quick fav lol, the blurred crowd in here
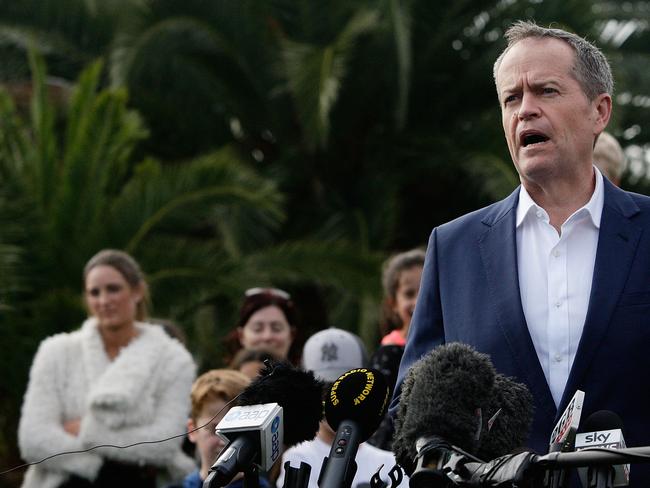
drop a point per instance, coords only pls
(124, 377)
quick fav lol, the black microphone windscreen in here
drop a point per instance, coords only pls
(299, 394)
(602, 420)
(512, 403)
(360, 395)
(441, 396)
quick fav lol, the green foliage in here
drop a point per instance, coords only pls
(315, 74)
(204, 229)
(287, 142)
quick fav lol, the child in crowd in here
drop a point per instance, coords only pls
(401, 282)
(330, 353)
(210, 393)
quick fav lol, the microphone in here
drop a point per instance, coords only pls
(355, 406)
(441, 405)
(299, 394)
(564, 433)
(604, 430)
(563, 437)
(255, 429)
(453, 401)
(510, 415)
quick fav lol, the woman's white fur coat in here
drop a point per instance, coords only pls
(142, 395)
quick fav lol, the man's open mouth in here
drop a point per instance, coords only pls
(531, 138)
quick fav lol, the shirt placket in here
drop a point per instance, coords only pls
(558, 318)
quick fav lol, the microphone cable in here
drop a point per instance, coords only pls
(270, 369)
(122, 447)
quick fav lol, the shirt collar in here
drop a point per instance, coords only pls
(594, 207)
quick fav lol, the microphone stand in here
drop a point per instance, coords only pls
(526, 468)
(600, 477)
(601, 472)
(296, 477)
(251, 477)
(555, 478)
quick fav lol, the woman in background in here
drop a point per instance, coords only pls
(267, 322)
(116, 380)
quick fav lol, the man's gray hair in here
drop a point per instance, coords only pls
(591, 68)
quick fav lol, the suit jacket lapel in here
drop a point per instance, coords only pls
(498, 246)
(617, 242)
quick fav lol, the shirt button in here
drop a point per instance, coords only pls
(557, 358)
(558, 304)
(539, 214)
(556, 253)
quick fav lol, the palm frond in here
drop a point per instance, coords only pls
(401, 22)
(180, 198)
(315, 74)
(42, 115)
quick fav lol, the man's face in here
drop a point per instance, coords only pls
(549, 122)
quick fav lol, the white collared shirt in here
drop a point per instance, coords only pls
(555, 275)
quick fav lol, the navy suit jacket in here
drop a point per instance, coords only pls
(470, 293)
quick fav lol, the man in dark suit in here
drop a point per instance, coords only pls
(554, 281)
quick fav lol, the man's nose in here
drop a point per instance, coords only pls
(529, 107)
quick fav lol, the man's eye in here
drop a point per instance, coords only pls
(547, 90)
(509, 98)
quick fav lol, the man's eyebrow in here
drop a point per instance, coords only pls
(545, 81)
(515, 87)
(510, 86)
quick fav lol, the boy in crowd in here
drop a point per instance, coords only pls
(210, 393)
(330, 353)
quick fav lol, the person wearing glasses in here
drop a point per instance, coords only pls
(267, 322)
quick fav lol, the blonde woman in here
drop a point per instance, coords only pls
(116, 380)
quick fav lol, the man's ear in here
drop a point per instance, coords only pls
(603, 108)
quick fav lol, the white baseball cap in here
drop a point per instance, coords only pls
(331, 352)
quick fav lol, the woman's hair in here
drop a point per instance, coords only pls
(392, 270)
(129, 269)
(244, 356)
(254, 300)
(258, 298)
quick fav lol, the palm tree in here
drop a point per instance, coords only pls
(74, 191)
(204, 229)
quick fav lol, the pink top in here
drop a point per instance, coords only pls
(395, 338)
